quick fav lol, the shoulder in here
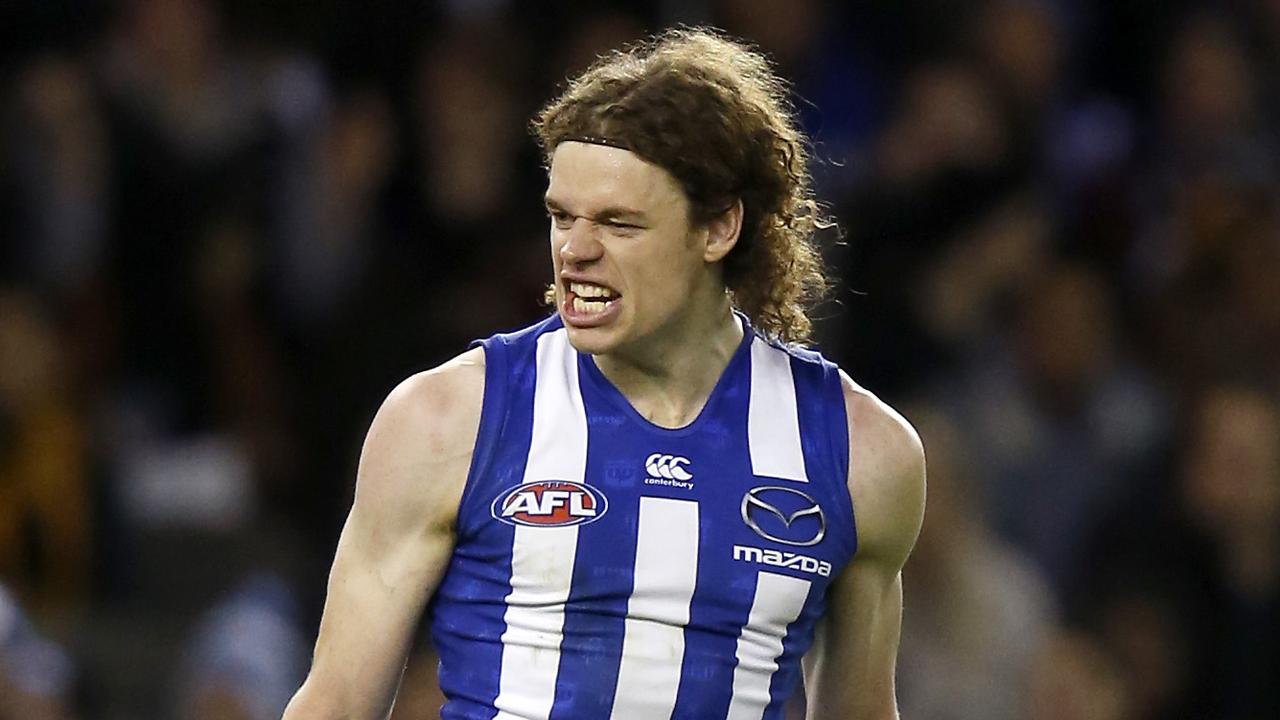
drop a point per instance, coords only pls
(418, 448)
(441, 393)
(886, 474)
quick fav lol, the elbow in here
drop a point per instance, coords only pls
(852, 711)
(312, 702)
(888, 712)
(305, 705)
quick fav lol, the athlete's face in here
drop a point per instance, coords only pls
(628, 263)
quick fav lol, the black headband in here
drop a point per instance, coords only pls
(595, 140)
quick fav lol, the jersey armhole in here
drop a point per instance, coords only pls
(840, 446)
(493, 416)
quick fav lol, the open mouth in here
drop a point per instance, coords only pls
(585, 301)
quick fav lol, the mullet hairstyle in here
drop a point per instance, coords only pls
(714, 114)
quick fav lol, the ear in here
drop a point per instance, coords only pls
(722, 233)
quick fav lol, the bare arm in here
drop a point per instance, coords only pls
(850, 672)
(396, 543)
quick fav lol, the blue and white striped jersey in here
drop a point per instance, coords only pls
(606, 567)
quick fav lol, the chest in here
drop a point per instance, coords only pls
(676, 528)
(585, 503)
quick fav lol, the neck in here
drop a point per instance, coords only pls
(670, 380)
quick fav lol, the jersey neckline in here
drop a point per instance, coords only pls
(587, 365)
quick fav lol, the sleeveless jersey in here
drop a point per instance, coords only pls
(606, 567)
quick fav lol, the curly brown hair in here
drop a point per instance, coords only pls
(713, 113)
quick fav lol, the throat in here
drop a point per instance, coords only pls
(671, 389)
(670, 413)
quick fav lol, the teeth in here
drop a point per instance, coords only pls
(588, 306)
(589, 290)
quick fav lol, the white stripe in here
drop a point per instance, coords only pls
(658, 611)
(778, 601)
(542, 557)
(558, 450)
(773, 424)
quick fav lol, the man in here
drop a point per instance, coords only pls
(640, 507)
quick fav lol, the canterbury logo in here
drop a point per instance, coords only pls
(670, 467)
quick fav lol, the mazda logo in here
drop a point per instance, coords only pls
(789, 507)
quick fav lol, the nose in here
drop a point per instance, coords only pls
(581, 244)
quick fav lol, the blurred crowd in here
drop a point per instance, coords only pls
(228, 228)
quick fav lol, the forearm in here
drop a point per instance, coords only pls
(850, 675)
(834, 699)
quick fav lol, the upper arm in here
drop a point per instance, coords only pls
(396, 543)
(852, 666)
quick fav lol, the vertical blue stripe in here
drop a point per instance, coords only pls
(820, 405)
(467, 610)
(706, 687)
(593, 628)
(603, 577)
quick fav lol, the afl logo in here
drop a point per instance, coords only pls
(550, 503)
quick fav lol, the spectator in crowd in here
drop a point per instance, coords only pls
(1064, 423)
(45, 513)
(247, 651)
(979, 610)
(247, 654)
(1074, 677)
(36, 676)
(1185, 584)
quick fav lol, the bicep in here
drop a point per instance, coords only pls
(380, 581)
(395, 545)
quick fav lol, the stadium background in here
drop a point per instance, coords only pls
(228, 228)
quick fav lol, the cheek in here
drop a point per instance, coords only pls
(655, 269)
(555, 244)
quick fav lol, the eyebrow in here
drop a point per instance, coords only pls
(612, 212)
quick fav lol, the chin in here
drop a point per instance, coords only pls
(593, 341)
